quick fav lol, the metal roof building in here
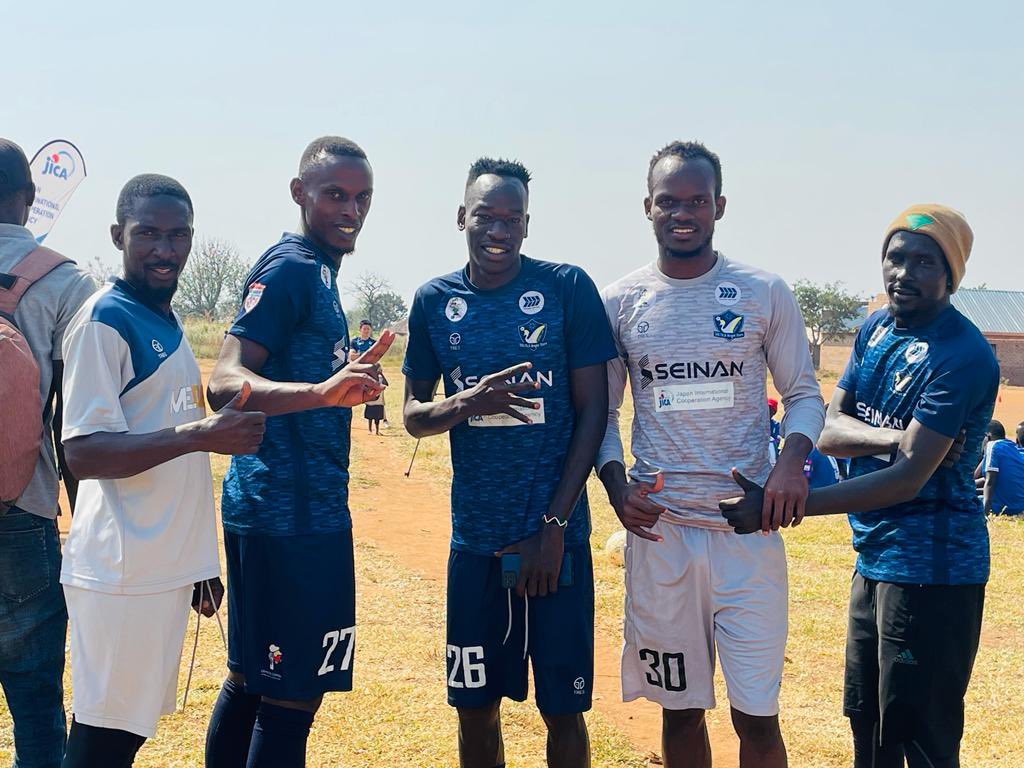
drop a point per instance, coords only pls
(992, 311)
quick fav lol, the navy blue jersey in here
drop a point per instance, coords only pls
(945, 376)
(298, 482)
(361, 345)
(505, 472)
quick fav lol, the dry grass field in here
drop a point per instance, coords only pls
(397, 715)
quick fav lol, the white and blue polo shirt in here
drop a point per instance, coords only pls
(128, 368)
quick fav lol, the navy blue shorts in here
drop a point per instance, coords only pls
(489, 640)
(291, 613)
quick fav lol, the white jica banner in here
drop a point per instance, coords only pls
(57, 170)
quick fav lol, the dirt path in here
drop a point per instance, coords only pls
(410, 518)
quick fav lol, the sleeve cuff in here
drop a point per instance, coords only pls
(90, 429)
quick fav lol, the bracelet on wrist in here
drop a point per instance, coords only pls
(553, 520)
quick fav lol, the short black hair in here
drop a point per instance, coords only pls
(15, 174)
(328, 146)
(996, 430)
(499, 167)
(148, 185)
(687, 150)
(365, 322)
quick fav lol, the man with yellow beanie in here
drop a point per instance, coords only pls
(910, 412)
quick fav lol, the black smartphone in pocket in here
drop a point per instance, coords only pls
(510, 571)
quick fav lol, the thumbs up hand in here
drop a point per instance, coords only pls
(743, 513)
(233, 430)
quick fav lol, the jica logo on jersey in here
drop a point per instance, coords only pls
(532, 334)
(729, 325)
(188, 399)
(59, 164)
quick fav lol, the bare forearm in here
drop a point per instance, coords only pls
(586, 439)
(271, 397)
(423, 419)
(613, 477)
(112, 455)
(846, 437)
(796, 449)
(875, 490)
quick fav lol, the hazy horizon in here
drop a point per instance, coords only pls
(828, 122)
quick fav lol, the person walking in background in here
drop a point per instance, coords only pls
(1004, 471)
(40, 291)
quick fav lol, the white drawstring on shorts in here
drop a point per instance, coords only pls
(508, 626)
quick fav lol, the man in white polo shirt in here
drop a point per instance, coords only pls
(143, 545)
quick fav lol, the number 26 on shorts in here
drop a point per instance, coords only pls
(470, 662)
(332, 640)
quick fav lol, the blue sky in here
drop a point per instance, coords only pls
(829, 119)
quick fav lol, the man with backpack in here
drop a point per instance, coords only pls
(40, 291)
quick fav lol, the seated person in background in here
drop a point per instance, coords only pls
(1004, 471)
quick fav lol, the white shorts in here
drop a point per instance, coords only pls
(697, 590)
(125, 655)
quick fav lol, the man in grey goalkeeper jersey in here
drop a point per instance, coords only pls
(697, 334)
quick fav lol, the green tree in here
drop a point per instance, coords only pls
(375, 301)
(211, 284)
(827, 310)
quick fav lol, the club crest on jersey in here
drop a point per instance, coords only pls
(455, 309)
(900, 379)
(252, 298)
(916, 352)
(729, 325)
(532, 334)
(727, 294)
(325, 275)
(531, 302)
(877, 336)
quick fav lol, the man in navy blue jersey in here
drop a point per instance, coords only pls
(910, 410)
(521, 346)
(287, 528)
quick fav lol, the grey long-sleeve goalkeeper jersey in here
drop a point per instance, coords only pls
(698, 352)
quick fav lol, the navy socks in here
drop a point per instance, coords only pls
(279, 737)
(231, 725)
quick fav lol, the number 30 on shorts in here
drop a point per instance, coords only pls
(470, 662)
(332, 640)
(665, 670)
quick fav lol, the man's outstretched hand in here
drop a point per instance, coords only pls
(361, 380)
(743, 513)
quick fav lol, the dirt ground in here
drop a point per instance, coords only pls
(411, 520)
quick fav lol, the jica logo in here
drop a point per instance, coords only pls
(59, 164)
